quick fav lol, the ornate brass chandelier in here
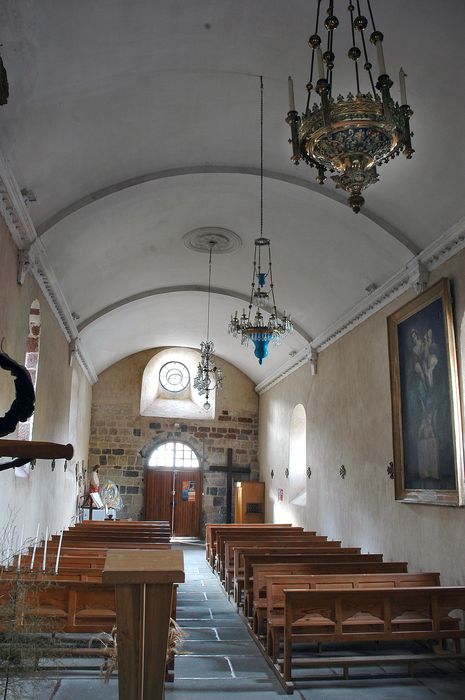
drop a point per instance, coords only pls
(350, 136)
(251, 326)
(209, 377)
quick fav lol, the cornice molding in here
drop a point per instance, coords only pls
(411, 275)
(23, 233)
(290, 366)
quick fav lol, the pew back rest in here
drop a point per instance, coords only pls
(263, 570)
(276, 585)
(222, 537)
(438, 604)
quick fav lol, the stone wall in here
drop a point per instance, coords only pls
(122, 440)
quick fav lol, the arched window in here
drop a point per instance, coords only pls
(298, 457)
(31, 362)
(174, 455)
(168, 390)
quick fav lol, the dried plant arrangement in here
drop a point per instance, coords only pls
(110, 644)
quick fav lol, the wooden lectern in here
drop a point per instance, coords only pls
(143, 582)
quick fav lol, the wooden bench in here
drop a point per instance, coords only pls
(245, 583)
(104, 543)
(261, 572)
(292, 547)
(390, 614)
(211, 530)
(276, 585)
(226, 565)
(255, 537)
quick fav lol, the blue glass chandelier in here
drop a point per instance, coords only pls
(264, 325)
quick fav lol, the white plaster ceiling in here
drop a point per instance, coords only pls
(135, 121)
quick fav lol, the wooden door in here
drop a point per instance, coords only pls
(158, 488)
(187, 502)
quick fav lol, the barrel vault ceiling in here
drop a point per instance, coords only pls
(134, 122)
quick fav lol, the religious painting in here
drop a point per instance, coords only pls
(426, 412)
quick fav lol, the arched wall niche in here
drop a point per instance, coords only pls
(298, 456)
(158, 400)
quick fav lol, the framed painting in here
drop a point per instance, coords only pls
(426, 411)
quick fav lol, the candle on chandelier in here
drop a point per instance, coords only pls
(319, 58)
(380, 52)
(290, 88)
(403, 91)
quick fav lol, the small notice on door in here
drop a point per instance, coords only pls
(188, 491)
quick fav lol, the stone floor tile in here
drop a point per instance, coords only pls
(232, 689)
(80, 688)
(233, 633)
(228, 648)
(201, 667)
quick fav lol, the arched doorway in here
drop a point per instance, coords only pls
(173, 488)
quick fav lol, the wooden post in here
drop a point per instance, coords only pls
(143, 582)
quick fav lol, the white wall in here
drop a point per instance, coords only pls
(45, 496)
(349, 423)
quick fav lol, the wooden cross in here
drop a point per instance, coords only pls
(229, 470)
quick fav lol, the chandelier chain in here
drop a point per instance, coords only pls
(365, 53)
(310, 82)
(371, 15)
(357, 77)
(329, 72)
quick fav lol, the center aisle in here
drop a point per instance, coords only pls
(218, 655)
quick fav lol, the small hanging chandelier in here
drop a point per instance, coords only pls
(350, 135)
(250, 326)
(209, 377)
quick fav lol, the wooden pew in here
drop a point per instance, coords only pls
(107, 544)
(247, 559)
(224, 536)
(276, 585)
(211, 530)
(261, 572)
(297, 546)
(391, 614)
(226, 562)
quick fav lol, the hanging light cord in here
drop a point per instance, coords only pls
(209, 287)
(261, 156)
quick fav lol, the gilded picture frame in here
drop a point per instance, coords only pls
(425, 397)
